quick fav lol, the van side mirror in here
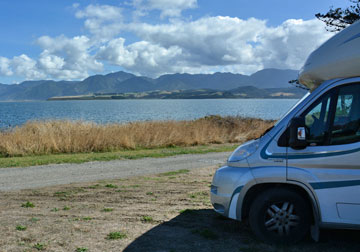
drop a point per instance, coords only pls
(297, 139)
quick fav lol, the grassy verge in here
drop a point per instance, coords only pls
(107, 156)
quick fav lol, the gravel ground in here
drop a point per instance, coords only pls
(126, 210)
(60, 174)
(166, 212)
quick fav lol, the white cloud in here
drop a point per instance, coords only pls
(67, 58)
(24, 66)
(140, 57)
(167, 8)
(152, 59)
(207, 40)
(216, 43)
(101, 12)
(75, 5)
(61, 58)
(104, 21)
(288, 45)
(116, 53)
(204, 45)
(54, 66)
(5, 67)
(48, 61)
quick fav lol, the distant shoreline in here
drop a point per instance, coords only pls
(241, 93)
(107, 99)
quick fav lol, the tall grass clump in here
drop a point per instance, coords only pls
(51, 137)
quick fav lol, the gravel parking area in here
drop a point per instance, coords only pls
(60, 174)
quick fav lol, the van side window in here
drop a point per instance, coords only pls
(346, 126)
(333, 119)
(317, 121)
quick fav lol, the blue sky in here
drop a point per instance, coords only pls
(44, 39)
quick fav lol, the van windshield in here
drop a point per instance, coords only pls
(288, 112)
(292, 108)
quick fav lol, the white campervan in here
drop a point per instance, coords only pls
(304, 173)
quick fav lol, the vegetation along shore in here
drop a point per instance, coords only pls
(238, 93)
(89, 141)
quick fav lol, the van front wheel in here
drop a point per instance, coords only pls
(280, 216)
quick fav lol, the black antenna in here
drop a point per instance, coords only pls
(297, 84)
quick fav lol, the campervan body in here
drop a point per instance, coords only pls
(303, 174)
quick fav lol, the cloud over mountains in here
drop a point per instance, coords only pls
(172, 43)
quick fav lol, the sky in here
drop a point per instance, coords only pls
(71, 40)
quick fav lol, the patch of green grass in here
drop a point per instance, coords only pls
(94, 186)
(111, 186)
(172, 173)
(186, 211)
(206, 233)
(147, 219)
(199, 195)
(62, 194)
(54, 209)
(28, 204)
(33, 219)
(108, 210)
(149, 193)
(21, 228)
(81, 249)
(39, 246)
(121, 190)
(152, 179)
(116, 236)
(86, 218)
(65, 208)
(107, 156)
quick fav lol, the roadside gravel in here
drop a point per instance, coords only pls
(60, 174)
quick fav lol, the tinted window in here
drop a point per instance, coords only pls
(346, 125)
(317, 121)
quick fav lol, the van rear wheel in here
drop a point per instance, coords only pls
(280, 215)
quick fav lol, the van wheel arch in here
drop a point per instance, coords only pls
(254, 191)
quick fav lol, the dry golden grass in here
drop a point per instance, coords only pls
(51, 137)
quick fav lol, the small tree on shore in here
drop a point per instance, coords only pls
(337, 19)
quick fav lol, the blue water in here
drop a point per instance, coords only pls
(120, 111)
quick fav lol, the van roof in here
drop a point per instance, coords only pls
(338, 57)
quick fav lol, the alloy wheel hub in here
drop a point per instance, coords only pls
(281, 219)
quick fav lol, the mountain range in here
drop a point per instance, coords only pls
(123, 82)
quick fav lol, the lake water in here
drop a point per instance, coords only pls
(120, 111)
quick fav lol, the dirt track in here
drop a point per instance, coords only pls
(60, 174)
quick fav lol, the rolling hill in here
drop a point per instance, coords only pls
(122, 82)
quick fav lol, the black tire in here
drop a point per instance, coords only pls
(280, 215)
